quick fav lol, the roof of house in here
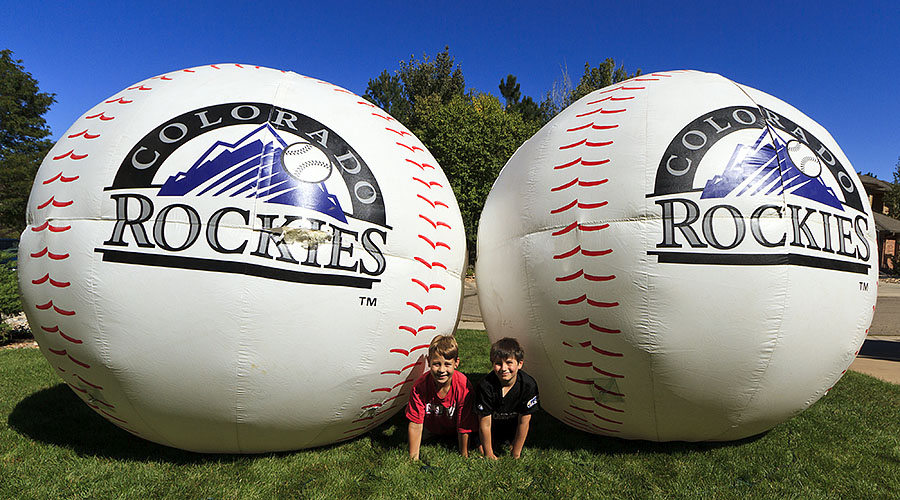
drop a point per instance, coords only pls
(872, 184)
(885, 223)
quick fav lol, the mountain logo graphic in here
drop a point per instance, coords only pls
(257, 190)
(748, 186)
(252, 168)
(785, 158)
(287, 159)
(769, 167)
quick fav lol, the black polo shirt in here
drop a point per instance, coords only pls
(522, 398)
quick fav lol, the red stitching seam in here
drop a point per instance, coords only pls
(49, 254)
(587, 145)
(84, 134)
(100, 116)
(429, 258)
(57, 204)
(61, 178)
(84, 386)
(590, 364)
(47, 279)
(51, 228)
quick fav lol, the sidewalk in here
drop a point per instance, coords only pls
(470, 316)
(878, 357)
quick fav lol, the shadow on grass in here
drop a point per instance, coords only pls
(548, 433)
(58, 417)
(880, 349)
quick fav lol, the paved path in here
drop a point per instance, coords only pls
(470, 317)
(879, 355)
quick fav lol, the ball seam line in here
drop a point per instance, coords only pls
(576, 207)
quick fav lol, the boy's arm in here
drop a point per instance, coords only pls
(521, 433)
(415, 412)
(463, 439)
(484, 428)
(415, 440)
(466, 420)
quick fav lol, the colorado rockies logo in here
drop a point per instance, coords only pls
(265, 168)
(739, 183)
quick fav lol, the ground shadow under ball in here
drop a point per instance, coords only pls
(548, 433)
(57, 416)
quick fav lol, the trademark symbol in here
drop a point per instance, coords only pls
(863, 286)
(368, 301)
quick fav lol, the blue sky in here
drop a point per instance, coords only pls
(838, 62)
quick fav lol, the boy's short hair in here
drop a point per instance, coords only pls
(445, 345)
(507, 347)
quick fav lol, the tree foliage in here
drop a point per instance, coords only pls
(416, 81)
(892, 197)
(10, 301)
(23, 142)
(515, 103)
(472, 134)
(510, 90)
(472, 137)
(426, 79)
(562, 93)
(605, 74)
(386, 92)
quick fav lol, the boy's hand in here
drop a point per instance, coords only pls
(484, 427)
(415, 440)
(463, 439)
(521, 433)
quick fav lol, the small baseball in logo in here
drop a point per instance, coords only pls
(305, 162)
(804, 158)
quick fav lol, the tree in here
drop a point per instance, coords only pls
(10, 300)
(23, 142)
(604, 75)
(472, 137)
(530, 110)
(510, 90)
(892, 197)
(415, 81)
(386, 92)
(429, 78)
(562, 94)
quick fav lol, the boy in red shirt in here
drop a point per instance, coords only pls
(441, 402)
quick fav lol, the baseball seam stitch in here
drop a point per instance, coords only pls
(420, 308)
(577, 208)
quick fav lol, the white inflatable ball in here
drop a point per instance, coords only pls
(682, 258)
(232, 258)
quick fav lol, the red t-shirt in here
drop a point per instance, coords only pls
(447, 415)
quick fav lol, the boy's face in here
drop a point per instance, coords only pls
(442, 368)
(507, 369)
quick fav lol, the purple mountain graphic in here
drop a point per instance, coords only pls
(766, 168)
(250, 168)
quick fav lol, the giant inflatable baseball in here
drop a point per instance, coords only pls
(682, 257)
(232, 258)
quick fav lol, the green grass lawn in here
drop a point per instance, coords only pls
(52, 446)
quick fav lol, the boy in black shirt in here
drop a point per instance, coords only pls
(505, 399)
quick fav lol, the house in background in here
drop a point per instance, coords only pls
(888, 228)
